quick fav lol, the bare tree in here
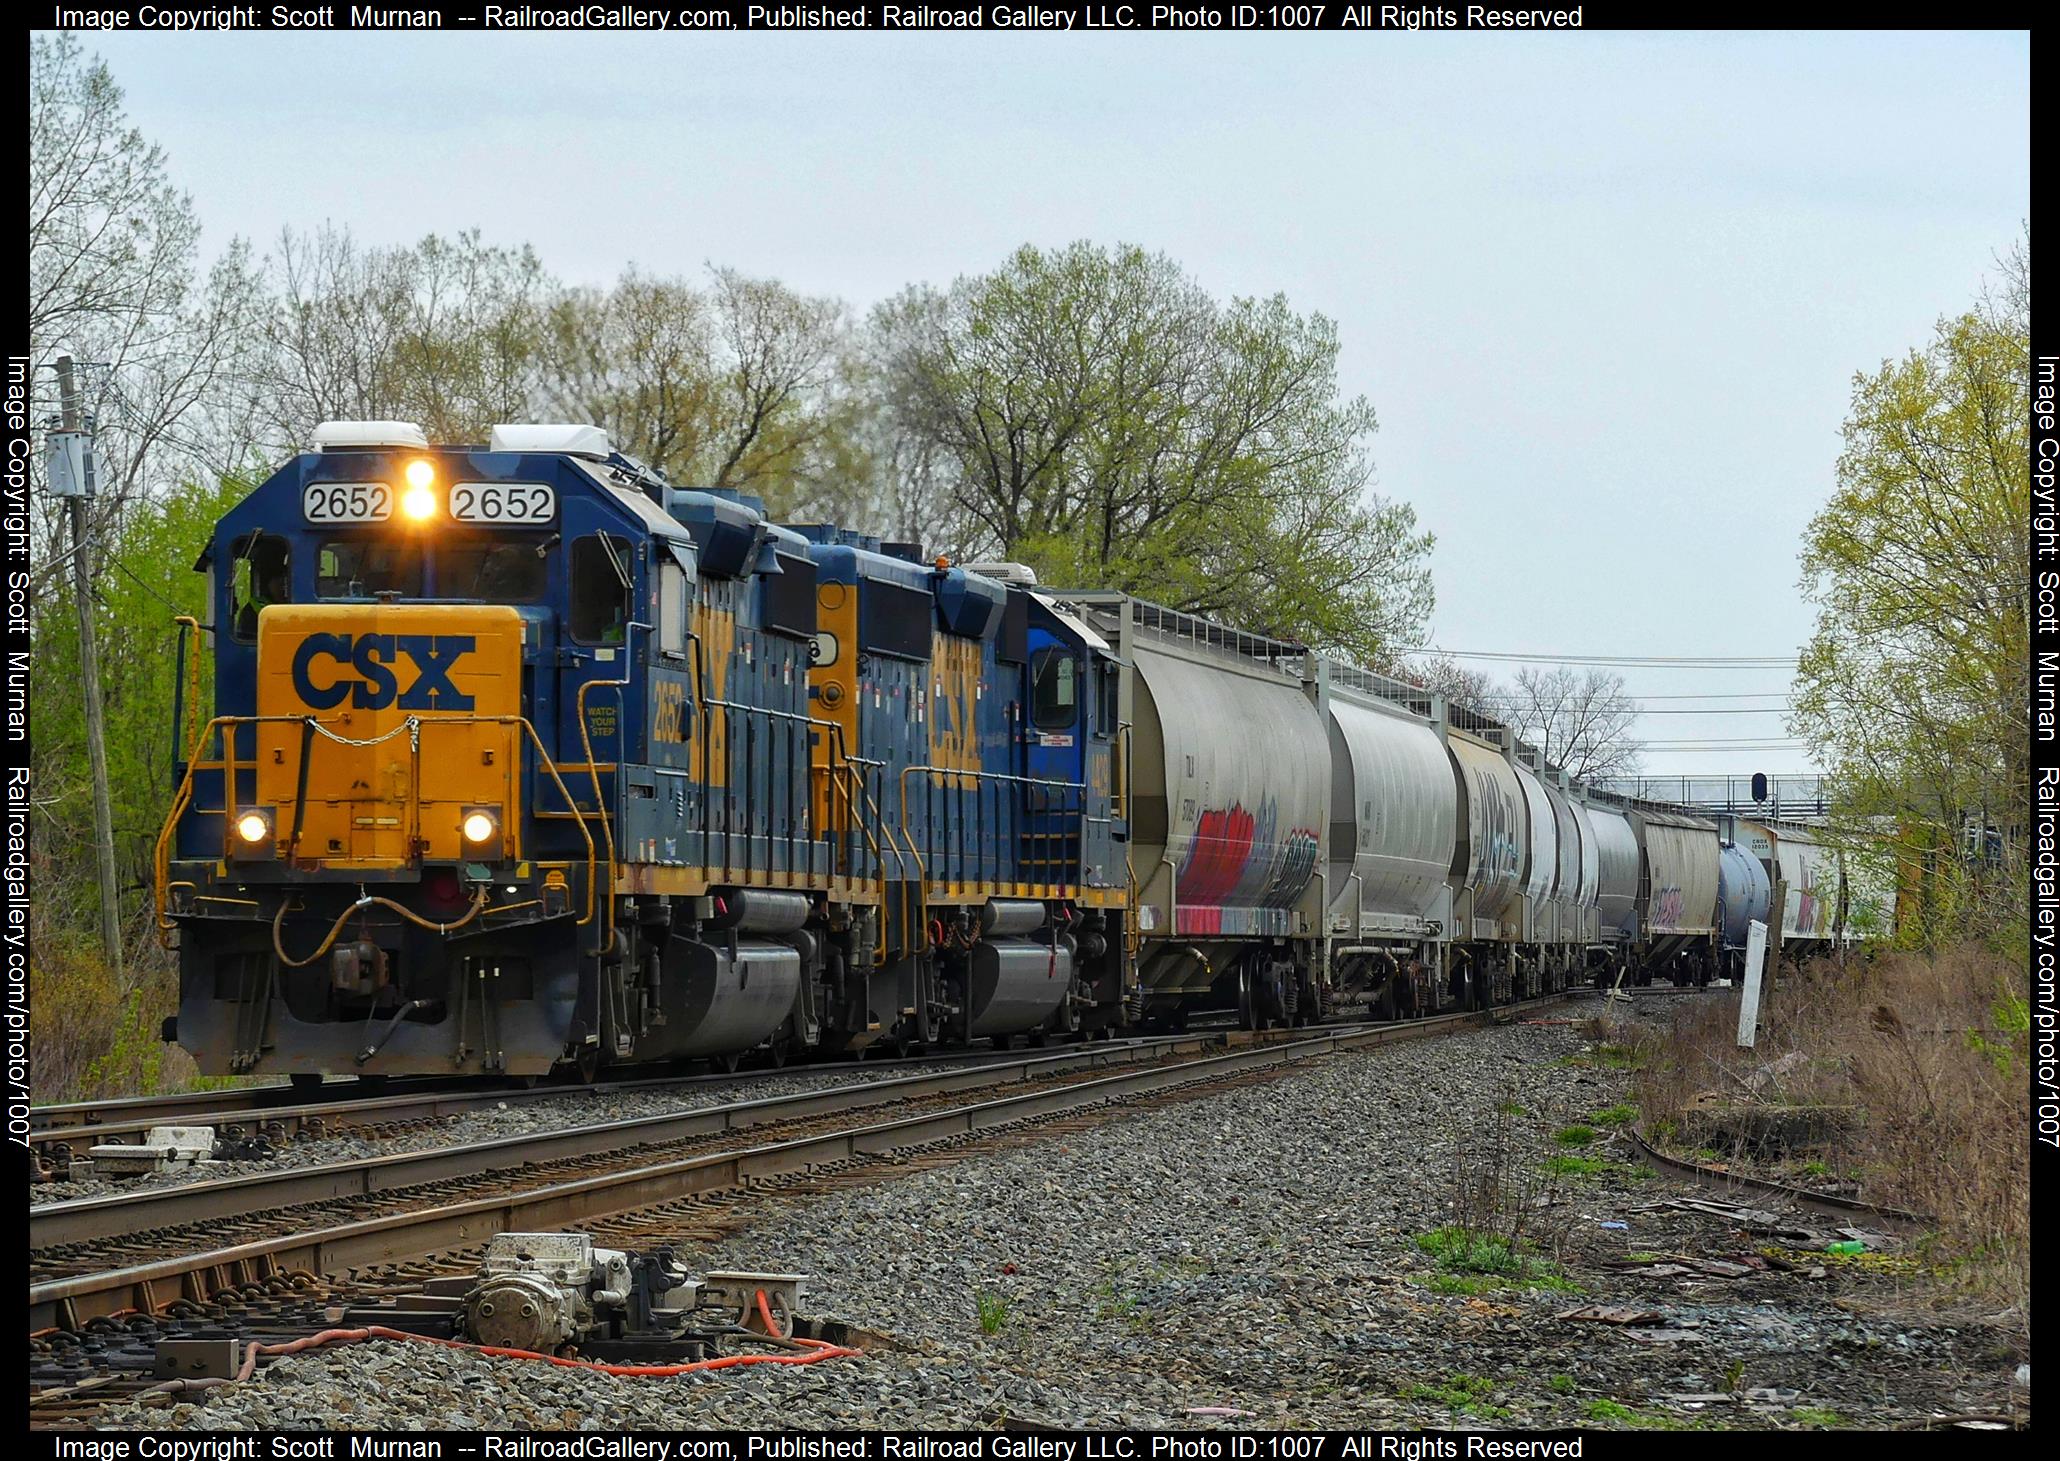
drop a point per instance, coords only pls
(1580, 719)
(115, 281)
(446, 333)
(1474, 689)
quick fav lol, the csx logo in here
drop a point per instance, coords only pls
(373, 657)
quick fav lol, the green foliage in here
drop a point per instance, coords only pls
(1914, 687)
(1574, 1135)
(1565, 1166)
(1473, 1262)
(1466, 1394)
(1620, 1115)
(1112, 425)
(1561, 1384)
(1817, 1417)
(1621, 1414)
(994, 1312)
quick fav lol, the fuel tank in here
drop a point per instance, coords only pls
(1015, 985)
(718, 1005)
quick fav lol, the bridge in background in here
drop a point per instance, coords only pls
(1788, 798)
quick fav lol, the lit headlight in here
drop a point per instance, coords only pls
(253, 827)
(478, 826)
(417, 500)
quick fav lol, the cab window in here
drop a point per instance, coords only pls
(598, 571)
(361, 568)
(262, 574)
(672, 609)
(1054, 689)
(1107, 689)
(500, 571)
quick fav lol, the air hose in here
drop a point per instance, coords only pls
(336, 928)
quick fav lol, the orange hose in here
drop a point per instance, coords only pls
(812, 1350)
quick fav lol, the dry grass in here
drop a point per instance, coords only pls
(91, 1037)
(1929, 1052)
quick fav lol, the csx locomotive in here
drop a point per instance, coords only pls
(522, 758)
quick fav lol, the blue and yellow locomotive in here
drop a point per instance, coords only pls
(521, 757)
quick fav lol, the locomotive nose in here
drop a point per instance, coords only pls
(387, 732)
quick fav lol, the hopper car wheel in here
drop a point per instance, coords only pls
(1002, 1042)
(730, 1062)
(589, 1064)
(778, 1055)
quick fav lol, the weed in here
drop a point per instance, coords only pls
(1636, 1419)
(1817, 1417)
(1509, 1108)
(1619, 1115)
(1574, 1135)
(1928, 1050)
(1464, 1393)
(1565, 1166)
(1561, 1384)
(1474, 1262)
(994, 1312)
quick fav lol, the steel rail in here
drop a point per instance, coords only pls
(86, 1219)
(1724, 1180)
(255, 1110)
(73, 1301)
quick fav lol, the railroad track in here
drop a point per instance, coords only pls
(282, 1113)
(558, 1180)
(1725, 1180)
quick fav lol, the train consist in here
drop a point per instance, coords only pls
(522, 758)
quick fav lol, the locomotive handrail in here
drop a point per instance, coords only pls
(182, 798)
(998, 777)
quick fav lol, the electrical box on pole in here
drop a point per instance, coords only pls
(68, 456)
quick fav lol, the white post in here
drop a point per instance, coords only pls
(1749, 1001)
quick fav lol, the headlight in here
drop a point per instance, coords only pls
(419, 503)
(421, 472)
(478, 826)
(253, 827)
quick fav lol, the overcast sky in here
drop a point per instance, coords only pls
(1606, 292)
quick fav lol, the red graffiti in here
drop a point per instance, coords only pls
(1216, 858)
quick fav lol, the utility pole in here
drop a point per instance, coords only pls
(89, 668)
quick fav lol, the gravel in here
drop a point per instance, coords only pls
(1252, 1251)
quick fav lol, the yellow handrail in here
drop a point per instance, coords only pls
(182, 798)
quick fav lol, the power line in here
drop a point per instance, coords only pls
(1676, 661)
(1512, 697)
